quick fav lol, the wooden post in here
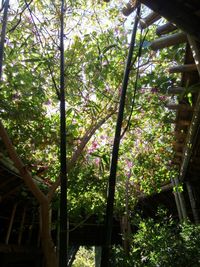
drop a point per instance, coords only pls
(178, 206)
(174, 11)
(129, 8)
(195, 48)
(193, 203)
(170, 40)
(166, 28)
(196, 116)
(183, 68)
(31, 228)
(148, 20)
(11, 224)
(21, 229)
(181, 200)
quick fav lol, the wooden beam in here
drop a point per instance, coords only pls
(180, 135)
(195, 48)
(193, 202)
(190, 140)
(179, 154)
(21, 229)
(177, 200)
(181, 199)
(166, 28)
(183, 68)
(129, 8)
(169, 40)
(148, 20)
(180, 122)
(175, 90)
(177, 14)
(179, 107)
(11, 223)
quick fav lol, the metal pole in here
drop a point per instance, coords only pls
(3, 34)
(63, 166)
(112, 178)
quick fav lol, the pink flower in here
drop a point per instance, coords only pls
(97, 161)
(154, 90)
(129, 164)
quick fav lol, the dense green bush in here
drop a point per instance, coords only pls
(163, 243)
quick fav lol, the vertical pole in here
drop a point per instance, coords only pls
(178, 206)
(181, 200)
(112, 178)
(3, 34)
(21, 229)
(195, 210)
(63, 165)
(11, 224)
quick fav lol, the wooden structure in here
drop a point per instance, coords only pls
(19, 222)
(184, 18)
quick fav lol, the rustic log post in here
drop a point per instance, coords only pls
(11, 223)
(195, 47)
(179, 107)
(190, 140)
(195, 210)
(129, 8)
(181, 200)
(166, 28)
(31, 229)
(170, 40)
(183, 68)
(175, 12)
(177, 200)
(148, 20)
(21, 229)
(176, 90)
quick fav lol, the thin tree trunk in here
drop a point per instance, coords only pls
(47, 242)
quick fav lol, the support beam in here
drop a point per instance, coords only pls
(166, 28)
(177, 14)
(148, 20)
(181, 199)
(192, 133)
(179, 107)
(175, 90)
(183, 68)
(177, 200)
(21, 226)
(193, 203)
(129, 8)
(10, 224)
(169, 40)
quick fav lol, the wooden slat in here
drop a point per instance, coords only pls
(148, 20)
(166, 28)
(179, 122)
(179, 107)
(183, 68)
(176, 90)
(170, 40)
(129, 8)
(177, 14)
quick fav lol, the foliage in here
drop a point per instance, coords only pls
(162, 243)
(84, 257)
(96, 45)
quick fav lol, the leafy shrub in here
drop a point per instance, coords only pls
(163, 243)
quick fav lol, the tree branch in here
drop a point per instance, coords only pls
(25, 174)
(86, 138)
